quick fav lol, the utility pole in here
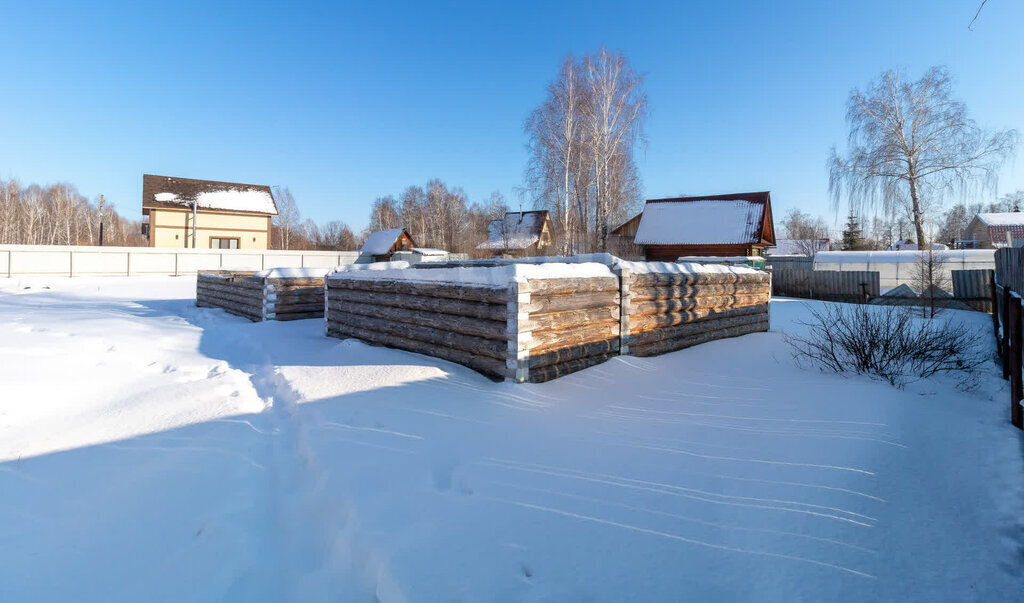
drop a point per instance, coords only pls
(100, 207)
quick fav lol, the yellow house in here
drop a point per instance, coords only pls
(182, 212)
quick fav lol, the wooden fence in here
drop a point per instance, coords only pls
(261, 297)
(1007, 288)
(826, 285)
(974, 288)
(667, 312)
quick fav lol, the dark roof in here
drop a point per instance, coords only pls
(517, 230)
(168, 191)
(734, 218)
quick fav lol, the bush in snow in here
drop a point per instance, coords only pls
(886, 342)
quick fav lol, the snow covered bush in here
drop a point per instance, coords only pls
(885, 341)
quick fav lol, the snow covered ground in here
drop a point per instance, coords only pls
(151, 450)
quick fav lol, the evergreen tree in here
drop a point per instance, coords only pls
(851, 235)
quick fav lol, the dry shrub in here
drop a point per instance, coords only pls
(888, 342)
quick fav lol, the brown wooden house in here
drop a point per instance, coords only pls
(716, 225)
(519, 234)
(383, 243)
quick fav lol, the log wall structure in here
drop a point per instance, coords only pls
(258, 298)
(537, 329)
(665, 312)
(530, 330)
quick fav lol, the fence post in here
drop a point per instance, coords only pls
(1014, 362)
(995, 314)
(1004, 316)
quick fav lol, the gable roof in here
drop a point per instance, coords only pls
(517, 230)
(167, 191)
(382, 241)
(739, 218)
(1008, 218)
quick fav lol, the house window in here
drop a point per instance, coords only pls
(223, 243)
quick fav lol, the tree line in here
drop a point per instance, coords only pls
(59, 215)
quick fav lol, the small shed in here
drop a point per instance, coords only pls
(519, 234)
(738, 224)
(381, 244)
(994, 230)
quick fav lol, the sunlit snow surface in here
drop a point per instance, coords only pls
(155, 451)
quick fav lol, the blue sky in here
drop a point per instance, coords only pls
(346, 102)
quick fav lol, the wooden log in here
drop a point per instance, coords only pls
(642, 294)
(493, 295)
(311, 307)
(547, 373)
(488, 366)
(472, 309)
(671, 345)
(289, 282)
(298, 316)
(236, 311)
(572, 286)
(547, 341)
(216, 297)
(441, 337)
(644, 324)
(561, 303)
(230, 290)
(556, 321)
(236, 282)
(696, 328)
(490, 329)
(674, 306)
(575, 352)
(658, 279)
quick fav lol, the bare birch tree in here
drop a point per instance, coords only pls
(910, 145)
(287, 220)
(582, 140)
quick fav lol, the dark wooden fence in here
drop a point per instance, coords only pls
(826, 285)
(1006, 290)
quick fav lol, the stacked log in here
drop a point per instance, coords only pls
(665, 312)
(566, 325)
(462, 323)
(257, 297)
(238, 292)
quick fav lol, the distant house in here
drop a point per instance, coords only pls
(989, 231)
(519, 233)
(716, 225)
(381, 244)
(798, 247)
(208, 214)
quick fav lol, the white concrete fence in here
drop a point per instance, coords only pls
(54, 260)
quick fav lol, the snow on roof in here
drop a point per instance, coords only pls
(167, 191)
(797, 247)
(429, 251)
(700, 222)
(517, 230)
(1011, 218)
(381, 242)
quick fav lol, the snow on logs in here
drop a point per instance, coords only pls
(666, 309)
(277, 294)
(525, 323)
(536, 322)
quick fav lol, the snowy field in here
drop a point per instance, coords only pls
(154, 451)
